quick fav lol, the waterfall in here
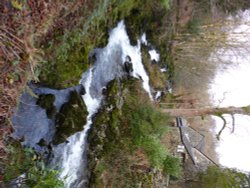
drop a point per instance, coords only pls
(71, 157)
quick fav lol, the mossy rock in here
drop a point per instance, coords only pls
(71, 118)
(46, 101)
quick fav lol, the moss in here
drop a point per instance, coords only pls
(157, 79)
(68, 52)
(46, 101)
(118, 134)
(71, 118)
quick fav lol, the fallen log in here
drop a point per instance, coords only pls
(207, 111)
(245, 110)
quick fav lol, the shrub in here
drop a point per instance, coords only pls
(171, 166)
(154, 150)
(145, 120)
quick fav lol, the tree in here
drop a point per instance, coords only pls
(223, 178)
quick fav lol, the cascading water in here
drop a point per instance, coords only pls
(110, 62)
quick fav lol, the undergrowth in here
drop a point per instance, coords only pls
(147, 127)
(29, 168)
(127, 141)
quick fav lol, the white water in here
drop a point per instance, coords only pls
(72, 155)
(154, 55)
(118, 37)
(108, 66)
(230, 88)
(144, 39)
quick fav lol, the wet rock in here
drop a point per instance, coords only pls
(158, 95)
(128, 66)
(104, 91)
(93, 55)
(82, 90)
(46, 102)
(46, 115)
(71, 118)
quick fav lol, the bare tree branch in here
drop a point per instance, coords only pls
(223, 127)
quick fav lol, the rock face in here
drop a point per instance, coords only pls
(45, 116)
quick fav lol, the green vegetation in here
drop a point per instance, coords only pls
(46, 102)
(157, 80)
(223, 177)
(193, 26)
(127, 140)
(67, 53)
(26, 161)
(172, 166)
(147, 126)
(165, 3)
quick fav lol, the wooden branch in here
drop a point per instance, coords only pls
(211, 111)
(223, 127)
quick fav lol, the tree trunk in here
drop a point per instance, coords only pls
(207, 111)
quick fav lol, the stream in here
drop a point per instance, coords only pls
(216, 80)
(112, 62)
(221, 80)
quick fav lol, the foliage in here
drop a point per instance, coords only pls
(154, 150)
(70, 50)
(127, 141)
(193, 26)
(16, 5)
(26, 162)
(148, 125)
(165, 4)
(172, 166)
(223, 177)
(146, 120)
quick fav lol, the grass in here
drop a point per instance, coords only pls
(157, 79)
(148, 125)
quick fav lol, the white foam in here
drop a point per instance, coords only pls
(72, 153)
(163, 70)
(154, 55)
(144, 39)
(119, 35)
